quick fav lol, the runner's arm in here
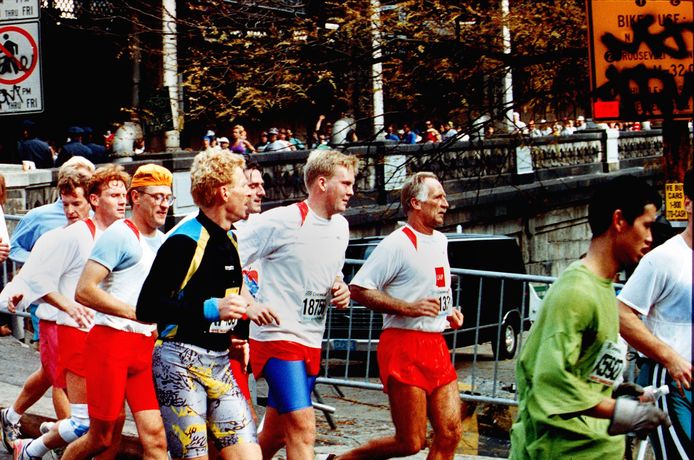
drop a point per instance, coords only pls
(381, 302)
(89, 293)
(637, 334)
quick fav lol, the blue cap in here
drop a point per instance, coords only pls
(87, 130)
(75, 130)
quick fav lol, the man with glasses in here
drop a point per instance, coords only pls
(110, 284)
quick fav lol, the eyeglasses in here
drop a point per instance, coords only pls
(160, 198)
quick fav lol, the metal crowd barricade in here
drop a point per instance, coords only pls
(351, 337)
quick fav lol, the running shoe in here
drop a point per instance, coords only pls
(20, 447)
(10, 431)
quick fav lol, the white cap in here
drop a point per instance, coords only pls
(222, 140)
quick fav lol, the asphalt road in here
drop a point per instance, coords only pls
(360, 414)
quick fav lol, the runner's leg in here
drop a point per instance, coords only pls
(445, 416)
(408, 407)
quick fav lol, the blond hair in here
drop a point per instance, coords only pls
(211, 170)
(323, 163)
(76, 163)
(414, 188)
(105, 174)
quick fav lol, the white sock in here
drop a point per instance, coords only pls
(12, 416)
(37, 448)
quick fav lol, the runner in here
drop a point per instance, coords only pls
(110, 284)
(572, 356)
(240, 350)
(194, 293)
(61, 268)
(302, 249)
(660, 289)
(408, 279)
(72, 186)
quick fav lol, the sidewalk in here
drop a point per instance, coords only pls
(360, 414)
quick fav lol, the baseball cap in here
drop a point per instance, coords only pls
(221, 140)
(273, 131)
(151, 174)
(74, 130)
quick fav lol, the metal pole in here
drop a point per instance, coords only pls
(170, 67)
(377, 70)
(507, 89)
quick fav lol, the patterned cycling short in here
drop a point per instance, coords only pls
(198, 394)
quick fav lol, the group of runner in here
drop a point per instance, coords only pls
(150, 319)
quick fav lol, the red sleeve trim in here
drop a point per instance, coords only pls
(91, 226)
(132, 227)
(410, 234)
(303, 209)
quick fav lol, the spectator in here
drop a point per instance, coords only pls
(32, 150)
(275, 144)
(285, 138)
(519, 126)
(295, 141)
(545, 128)
(74, 147)
(447, 131)
(391, 135)
(568, 128)
(431, 134)
(224, 144)
(489, 131)
(262, 143)
(580, 123)
(98, 151)
(409, 136)
(322, 143)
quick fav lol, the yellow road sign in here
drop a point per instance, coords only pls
(642, 61)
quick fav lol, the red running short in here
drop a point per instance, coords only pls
(286, 351)
(416, 358)
(48, 351)
(71, 351)
(120, 369)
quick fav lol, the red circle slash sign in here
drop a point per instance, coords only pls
(34, 49)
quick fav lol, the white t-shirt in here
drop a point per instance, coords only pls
(33, 267)
(61, 263)
(128, 256)
(300, 262)
(661, 290)
(409, 265)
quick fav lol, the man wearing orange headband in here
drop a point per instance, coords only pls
(110, 284)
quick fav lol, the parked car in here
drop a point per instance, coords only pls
(499, 318)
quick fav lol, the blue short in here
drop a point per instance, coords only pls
(289, 386)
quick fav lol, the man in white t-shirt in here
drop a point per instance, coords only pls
(72, 185)
(110, 284)
(302, 250)
(660, 289)
(56, 283)
(408, 279)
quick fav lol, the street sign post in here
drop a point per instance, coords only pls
(641, 57)
(20, 69)
(19, 10)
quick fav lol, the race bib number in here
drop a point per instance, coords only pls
(224, 326)
(445, 300)
(609, 364)
(313, 306)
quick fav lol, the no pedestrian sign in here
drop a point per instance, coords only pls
(20, 69)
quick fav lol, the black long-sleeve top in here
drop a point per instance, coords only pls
(197, 262)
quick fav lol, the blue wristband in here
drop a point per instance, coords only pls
(211, 309)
